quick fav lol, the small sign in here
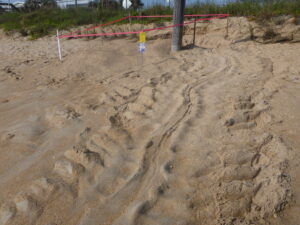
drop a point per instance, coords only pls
(142, 37)
(142, 47)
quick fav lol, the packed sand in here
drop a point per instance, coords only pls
(205, 136)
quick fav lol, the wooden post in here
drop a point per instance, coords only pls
(226, 36)
(129, 16)
(194, 36)
(178, 15)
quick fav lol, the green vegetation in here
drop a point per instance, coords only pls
(32, 5)
(41, 22)
(255, 8)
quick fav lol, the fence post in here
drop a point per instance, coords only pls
(178, 15)
(129, 17)
(58, 46)
(226, 36)
(194, 36)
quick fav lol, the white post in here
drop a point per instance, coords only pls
(58, 45)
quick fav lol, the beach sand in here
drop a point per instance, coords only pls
(208, 135)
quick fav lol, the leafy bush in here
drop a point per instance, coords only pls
(136, 4)
(31, 5)
(109, 4)
(269, 34)
(93, 4)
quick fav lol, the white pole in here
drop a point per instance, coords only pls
(58, 45)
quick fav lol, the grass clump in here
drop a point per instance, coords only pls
(41, 22)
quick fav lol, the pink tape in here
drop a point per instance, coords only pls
(216, 16)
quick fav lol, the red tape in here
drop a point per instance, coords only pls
(215, 16)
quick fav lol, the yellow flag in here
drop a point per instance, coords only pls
(142, 37)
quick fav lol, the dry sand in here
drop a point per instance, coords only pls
(208, 135)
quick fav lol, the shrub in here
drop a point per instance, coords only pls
(269, 34)
(136, 4)
(31, 5)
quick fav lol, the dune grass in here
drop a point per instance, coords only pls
(44, 21)
(41, 22)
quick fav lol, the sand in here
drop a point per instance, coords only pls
(208, 135)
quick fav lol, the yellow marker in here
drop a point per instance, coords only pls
(142, 37)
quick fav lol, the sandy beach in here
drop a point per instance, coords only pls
(205, 136)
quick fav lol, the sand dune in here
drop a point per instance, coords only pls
(208, 135)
